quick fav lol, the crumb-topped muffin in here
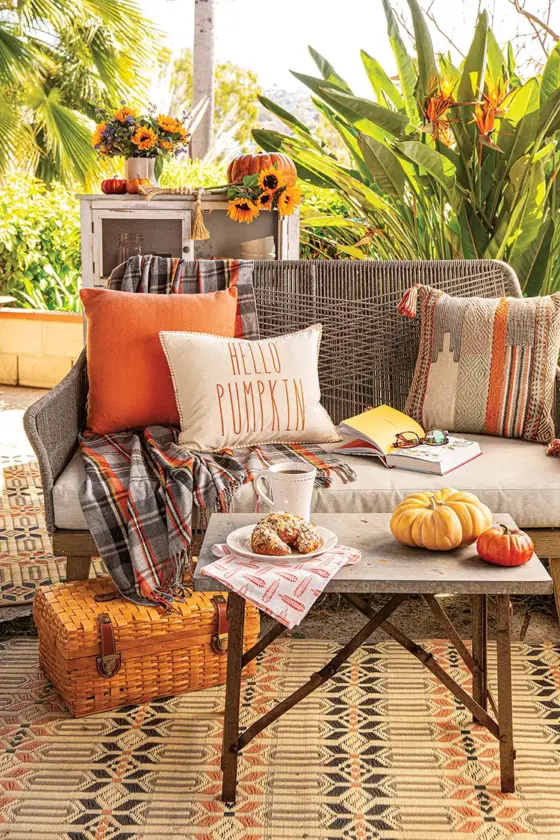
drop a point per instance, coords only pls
(278, 533)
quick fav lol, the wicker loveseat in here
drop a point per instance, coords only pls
(368, 355)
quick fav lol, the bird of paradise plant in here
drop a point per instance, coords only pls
(446, 162)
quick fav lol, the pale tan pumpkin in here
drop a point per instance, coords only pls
(440, 521)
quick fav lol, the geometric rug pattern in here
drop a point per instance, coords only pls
(381, 752)
(26, 558)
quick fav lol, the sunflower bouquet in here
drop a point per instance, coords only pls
(125, 133)
(266, 190)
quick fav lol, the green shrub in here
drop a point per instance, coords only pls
(323, 242)
(192, 173)
(39, 245)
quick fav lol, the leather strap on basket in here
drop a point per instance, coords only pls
(219, 640)
(109, 663)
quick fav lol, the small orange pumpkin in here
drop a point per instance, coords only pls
(133, 183)
(505, 547)
(253, 164)
(113, 186)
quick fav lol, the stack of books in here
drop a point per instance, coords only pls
(375, 432)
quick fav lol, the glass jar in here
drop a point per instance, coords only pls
(130, 245)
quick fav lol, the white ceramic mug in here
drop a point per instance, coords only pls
(289, 486)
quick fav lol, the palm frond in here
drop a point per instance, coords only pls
(18, 147)
(64, 138)
(17, 60)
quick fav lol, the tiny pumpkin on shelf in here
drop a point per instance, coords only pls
(113, 186)
(440, 521)
(505, 546)
(133, 183)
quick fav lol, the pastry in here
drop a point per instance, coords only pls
(278, 533)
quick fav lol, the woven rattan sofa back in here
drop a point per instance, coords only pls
(368, 351)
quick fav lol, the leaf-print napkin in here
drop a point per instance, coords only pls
(285, 588)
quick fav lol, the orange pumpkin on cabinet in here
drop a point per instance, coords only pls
(113, 186)
(133, 183)
(253, 164)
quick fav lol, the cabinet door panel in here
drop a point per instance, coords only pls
(162, 232)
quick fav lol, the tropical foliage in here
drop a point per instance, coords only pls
(56, 58)
(39, 245)
(448, 162)
(236, 104)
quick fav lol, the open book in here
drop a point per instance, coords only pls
(374, 433)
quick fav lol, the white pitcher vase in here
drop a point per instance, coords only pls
(139, 167)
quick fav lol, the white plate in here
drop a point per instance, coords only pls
(240, 542)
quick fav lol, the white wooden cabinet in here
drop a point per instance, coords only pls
(165, 225)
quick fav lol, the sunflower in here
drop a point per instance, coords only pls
(165, 144)
(169, 124)
(124, 113)
(271, 180)
(144, 138)
(98, 134)
(288, 200)
(242, 210)
(265, 200)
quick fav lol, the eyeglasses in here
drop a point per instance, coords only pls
(435, 437)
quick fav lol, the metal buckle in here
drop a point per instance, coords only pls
(218, 645)
(108, 665)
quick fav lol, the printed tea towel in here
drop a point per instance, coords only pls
(286, 588)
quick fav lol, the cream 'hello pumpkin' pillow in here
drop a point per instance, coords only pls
(233, 393)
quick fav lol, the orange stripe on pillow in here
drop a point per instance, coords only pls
(233, 278)
(497, 369)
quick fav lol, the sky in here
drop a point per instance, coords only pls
(271, 36)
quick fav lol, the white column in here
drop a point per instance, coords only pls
(203, 74)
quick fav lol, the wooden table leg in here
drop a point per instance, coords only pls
(505, 705)
(479, 649)
(236, 618)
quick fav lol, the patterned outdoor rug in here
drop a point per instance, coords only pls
(26, 559)
(381, 751)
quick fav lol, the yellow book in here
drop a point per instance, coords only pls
(380, 426)
(374, 433)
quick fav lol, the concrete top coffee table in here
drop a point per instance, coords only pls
(388, 567)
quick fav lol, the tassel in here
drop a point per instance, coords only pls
(199, 229)
(553, 448)
(409, 301)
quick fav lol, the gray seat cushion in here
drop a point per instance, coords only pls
(511, 476)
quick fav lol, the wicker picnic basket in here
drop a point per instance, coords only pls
(101, 651)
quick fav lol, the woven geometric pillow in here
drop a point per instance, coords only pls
(485, 366)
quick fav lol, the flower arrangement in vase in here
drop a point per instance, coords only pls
(264, 190)
(143, 140)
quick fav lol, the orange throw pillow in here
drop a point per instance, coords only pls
(130, 385)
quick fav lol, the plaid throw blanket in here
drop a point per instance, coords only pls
(165, 276)
(142, 490)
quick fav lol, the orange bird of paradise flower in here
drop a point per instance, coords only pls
(436, 107)
(491, 108)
